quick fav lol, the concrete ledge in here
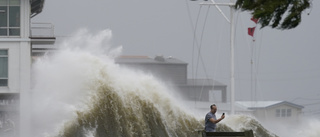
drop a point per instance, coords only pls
(248, 133)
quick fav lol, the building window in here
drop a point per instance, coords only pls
(288, 112)
(283, 112)
(9, 17)
(3, 68)
(278, 113)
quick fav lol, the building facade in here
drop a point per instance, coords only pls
(15, 63)
(15, 45)
(274, 111)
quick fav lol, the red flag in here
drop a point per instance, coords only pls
(251, 31)
(254, 20)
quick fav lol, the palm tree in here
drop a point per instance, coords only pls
(271, 12)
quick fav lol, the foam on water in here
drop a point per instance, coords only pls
(306, 127)
(80, 91)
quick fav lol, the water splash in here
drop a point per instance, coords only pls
(81, 92)
(245, 122)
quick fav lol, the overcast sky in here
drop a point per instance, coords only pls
(287, 62)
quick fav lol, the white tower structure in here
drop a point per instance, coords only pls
(231, 4)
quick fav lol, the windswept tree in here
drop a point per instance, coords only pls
(280, 14)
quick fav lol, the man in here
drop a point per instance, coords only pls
(211, 120)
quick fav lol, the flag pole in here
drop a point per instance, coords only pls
(232, 31)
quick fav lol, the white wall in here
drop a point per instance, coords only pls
(19, 54)
(19, 61)
(25, 69)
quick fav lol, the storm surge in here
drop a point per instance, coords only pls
(81, 92)
(136, 106)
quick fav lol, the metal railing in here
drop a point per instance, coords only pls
(42, 30)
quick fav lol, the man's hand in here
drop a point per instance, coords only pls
(222, 117)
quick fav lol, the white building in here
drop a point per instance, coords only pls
(265, 111)
(174, 72)
(15, 62)
(280, 111)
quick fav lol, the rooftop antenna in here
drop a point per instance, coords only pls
(232, 31)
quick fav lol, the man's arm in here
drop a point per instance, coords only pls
(216, 120)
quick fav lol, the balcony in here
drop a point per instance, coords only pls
(42, 34)
(42, 38)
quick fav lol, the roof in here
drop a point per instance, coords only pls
(205, 82)
(221, 106)
(148, 60)
(266, 104)
(36, 7)
(240, 106)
